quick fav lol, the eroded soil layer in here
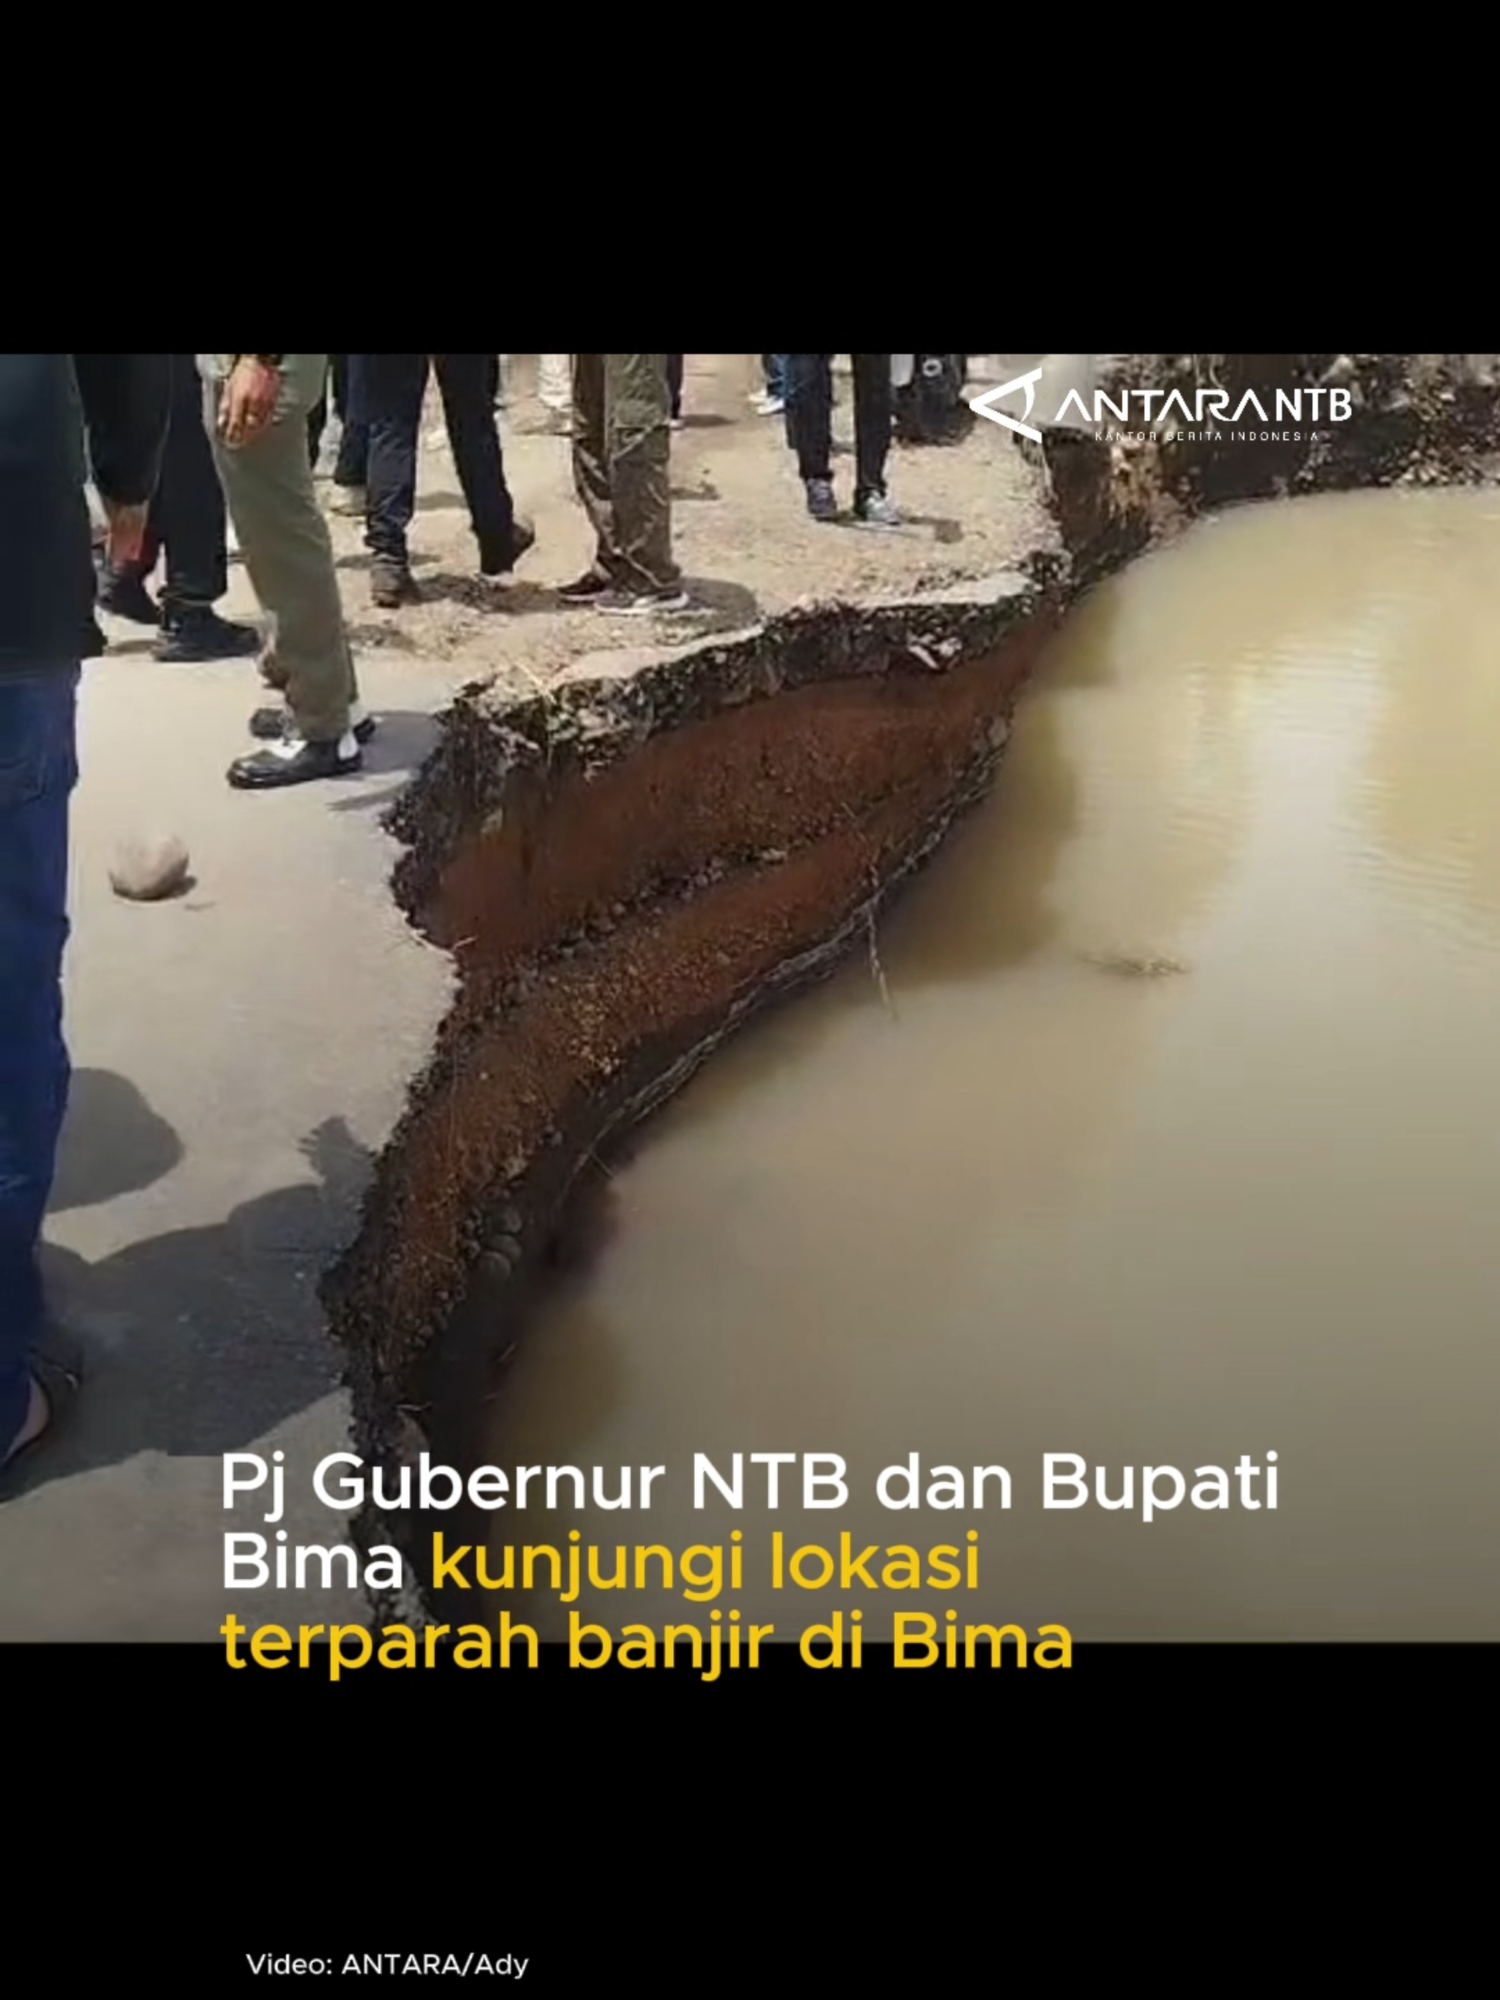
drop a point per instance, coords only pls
(628, 866)
(626, 869)
(1414, 419)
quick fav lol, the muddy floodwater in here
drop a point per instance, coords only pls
(1161, 1127)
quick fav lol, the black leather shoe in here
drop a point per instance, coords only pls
(295, 763)
(128, 597)
(269, 725)
(495, 562)
(203, 635)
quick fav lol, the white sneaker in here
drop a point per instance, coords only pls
(876, 512)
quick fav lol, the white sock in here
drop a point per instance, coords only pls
(294, 742)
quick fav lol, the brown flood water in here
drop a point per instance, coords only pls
(1044, 1203)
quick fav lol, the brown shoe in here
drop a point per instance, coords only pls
(391, 584)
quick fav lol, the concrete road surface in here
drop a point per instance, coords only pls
(238, 1054)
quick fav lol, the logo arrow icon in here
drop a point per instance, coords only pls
(981, 405)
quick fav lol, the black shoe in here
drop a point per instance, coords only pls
(294, 762)
(391, 584)
(196, 635)
(270, 725)
(495, 562)
(591, 585)
(642, 603)
(128, 597)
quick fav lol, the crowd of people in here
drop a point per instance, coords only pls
(251, 461)
(175, 448)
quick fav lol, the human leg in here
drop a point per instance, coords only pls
(38, 771)
(591, 478)
(393, 385)
(463, 382)
(638, 413)
(268, 483)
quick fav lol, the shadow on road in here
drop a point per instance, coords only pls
(403, 740)
(199, 1341)
(112, 1144)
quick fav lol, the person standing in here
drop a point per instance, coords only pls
(555, 391)
(351, 464)
(62, 418)
(809, 404)
(186, 523)
(676, 367)
(317, 416)
(256, 408)
(622, 406)
(771, 401)
(393, 386)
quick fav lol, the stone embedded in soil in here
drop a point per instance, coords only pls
(149, 870)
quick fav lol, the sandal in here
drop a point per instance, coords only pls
(59, 1382)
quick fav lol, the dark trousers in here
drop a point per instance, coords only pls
(187, 521)
(674, 382)
(38, 770)
(393, 386)
(354, 441)
(809, 404)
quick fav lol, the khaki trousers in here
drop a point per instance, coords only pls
(284, 539)
(621, 465)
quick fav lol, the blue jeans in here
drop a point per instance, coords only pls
(775, 367)
(38, 770)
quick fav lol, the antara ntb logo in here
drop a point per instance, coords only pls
(1152, 410)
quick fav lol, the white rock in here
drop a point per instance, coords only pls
(149, 870)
